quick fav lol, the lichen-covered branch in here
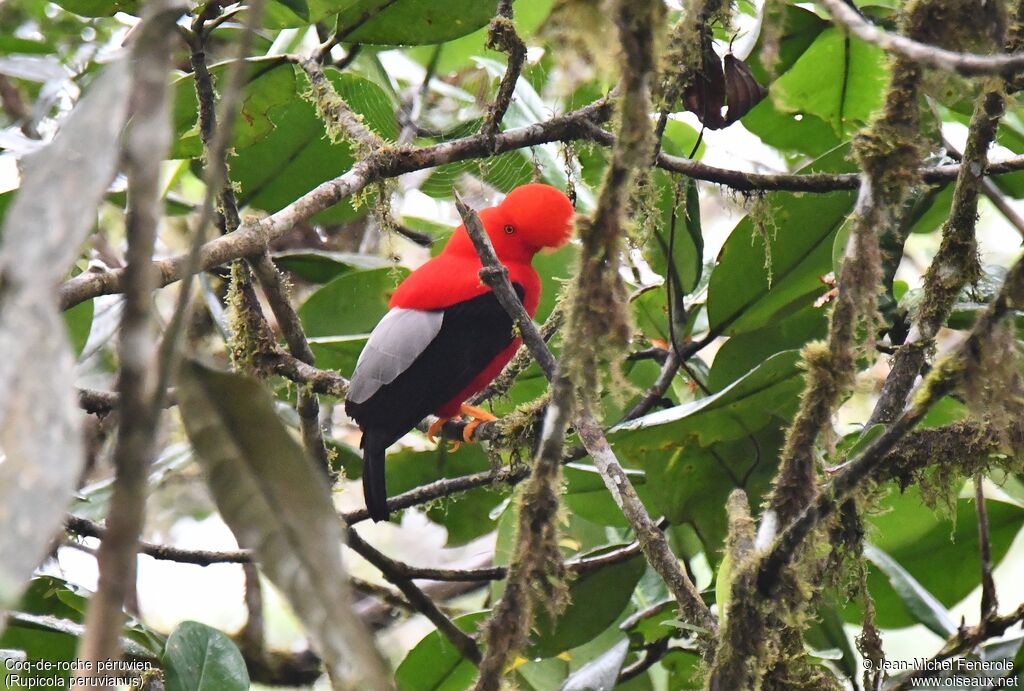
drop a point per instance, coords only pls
(501, 35)
(888, 153)
(954, 266)
(598, 314)
(652, 541)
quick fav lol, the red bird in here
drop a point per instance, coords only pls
(446, 337)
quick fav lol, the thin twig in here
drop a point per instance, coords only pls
(501, 35)
(989, 599)
(961, 642)
(416, 597)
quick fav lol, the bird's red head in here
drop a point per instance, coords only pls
(540, 215)
(529, 219)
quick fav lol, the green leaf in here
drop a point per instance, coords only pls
(695, 454)
(745, 351)
(596, 600)
(942, 556)
(201, 658)
(800, 133)
(339, 354)
(466, 516)
(100, 8)
(412, 22)
(434, 664)
(279, 505)
(800, 27)
(740, 295)
(587, 496)
(320, 266)
(838, 79)
(764, 395)
(281, 147)
(457, 54)
(79, 322)
(682, 235)
(918, 601)
(351, 304)
(23, 46)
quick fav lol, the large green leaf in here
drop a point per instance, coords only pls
(201, 658)
(764, 395)
(596, 600)
(351, 304)
(742, 294)
(278, 505)
(680, 238)
(921, 604)
(747, 350)
(695, 454)
(413, 22)
(100, 8)
(466, 516)
(436, 665)
(838, 79)
(587, 496)
(78, 319)
(320, 266)
(791, 132)
(940, 555)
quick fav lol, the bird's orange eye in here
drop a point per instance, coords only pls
(509, 230)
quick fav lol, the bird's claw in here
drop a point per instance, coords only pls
(435, 428)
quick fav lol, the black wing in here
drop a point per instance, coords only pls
(471, 334)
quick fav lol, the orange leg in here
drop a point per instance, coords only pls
(479, 415)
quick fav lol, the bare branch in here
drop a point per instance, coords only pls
(926, 55)
(416, 597)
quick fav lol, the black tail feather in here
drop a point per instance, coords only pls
(375, 490)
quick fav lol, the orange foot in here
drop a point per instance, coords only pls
(479, 415)
(435, 428)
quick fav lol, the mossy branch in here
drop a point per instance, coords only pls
(599, 316)
(342, 122)
(955, 264)
(501, 35)
(536, 573)
(947, 374)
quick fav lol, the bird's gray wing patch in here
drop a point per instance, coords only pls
(393, 346)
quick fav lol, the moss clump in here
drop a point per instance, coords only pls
(250, 336)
